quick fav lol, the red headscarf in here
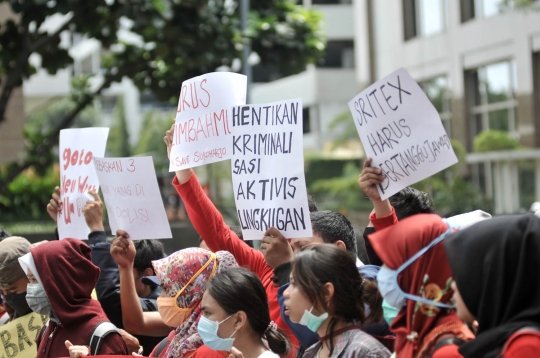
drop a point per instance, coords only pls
(417, 326)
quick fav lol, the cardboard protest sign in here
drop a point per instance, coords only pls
(132, 197)
(402, 131)
(17, 338)
(202, 132)
(78, 176)
(268, 169)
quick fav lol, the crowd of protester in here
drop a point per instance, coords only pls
(415, 285)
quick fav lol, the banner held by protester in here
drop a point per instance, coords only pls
(268, 169)
(78, 176)
(402, 131)
(17, 338)
(132, 197)
(202, 131)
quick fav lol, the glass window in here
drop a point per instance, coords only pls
(487, 8)
(423, 17)
(438, 92)
(339, 54)
(480, 9)
(431, 17)
(306, 120)
(328, 2)
(493, 99)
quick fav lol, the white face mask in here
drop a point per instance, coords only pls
(37, 299)
(387, 280)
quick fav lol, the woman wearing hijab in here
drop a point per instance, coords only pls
(416, 278)
(183, 277)
(496, 268)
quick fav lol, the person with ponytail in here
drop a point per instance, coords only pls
(236, 317)
(327, 294)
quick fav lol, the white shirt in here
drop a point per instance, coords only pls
(268, 354)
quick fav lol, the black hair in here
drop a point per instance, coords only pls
(311, 203)
(361, 245)
(4, 234)
(410, 201)
(238, 289)
(147, 251)
(332, 227)
(238, 231)
(318, 264)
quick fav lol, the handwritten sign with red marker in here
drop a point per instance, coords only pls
(78, 176)
(402, 131)
(132, 197)
(203, 130)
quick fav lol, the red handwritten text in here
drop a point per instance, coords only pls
(75, 158)
(191, 96)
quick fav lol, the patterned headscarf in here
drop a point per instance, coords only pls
(417, 326)
(178, 270)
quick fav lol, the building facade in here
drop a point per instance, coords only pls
(479, 63)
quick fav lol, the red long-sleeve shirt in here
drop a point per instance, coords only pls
(210, 225)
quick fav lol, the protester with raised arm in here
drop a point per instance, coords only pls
(108, 284)
(217, 235)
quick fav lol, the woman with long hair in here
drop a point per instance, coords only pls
(326, 294)
(236, 317)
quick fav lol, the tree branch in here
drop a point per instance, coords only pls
(52, 139)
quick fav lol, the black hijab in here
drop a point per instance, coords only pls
(496, 266)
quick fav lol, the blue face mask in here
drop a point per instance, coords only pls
(208, 331)
(387, 280)
(311, 321)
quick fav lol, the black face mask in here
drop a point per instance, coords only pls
(368, 231)
(17, 301)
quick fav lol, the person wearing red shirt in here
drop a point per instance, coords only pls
(217, 235)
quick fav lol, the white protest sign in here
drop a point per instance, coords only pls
(402, 131)
(78, 176)
(268, 169)
(132, 197)
(202, 131)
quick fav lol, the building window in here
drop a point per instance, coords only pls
(306, 120)
(423, 17)
(330, 2)
(263, 74)
(339, 54)
(490, 92)
(481, 9)
(536, 97)
(438, 92)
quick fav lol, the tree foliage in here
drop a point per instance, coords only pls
(118, 142)
(151, 142)
(489, 141)
(170, 41)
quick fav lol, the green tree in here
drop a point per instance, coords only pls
(118, 142)
(344, 126)
(151, 135)
(489, 141)
(176, 41)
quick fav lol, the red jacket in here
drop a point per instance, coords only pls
(69, 276)
(209, 223)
